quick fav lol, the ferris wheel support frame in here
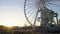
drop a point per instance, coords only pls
(42, 5)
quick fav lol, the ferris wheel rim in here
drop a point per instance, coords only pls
(25, 13)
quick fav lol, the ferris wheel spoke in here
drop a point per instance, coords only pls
(31, 6)
(30, 10)
(35, 17)
(32, 18)
(48, 6)
(31, 14)
(54, 4)
(52, 0)
(30, 0)
(31, 3)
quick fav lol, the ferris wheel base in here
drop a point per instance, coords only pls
(51, 29)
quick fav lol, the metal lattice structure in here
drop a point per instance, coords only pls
(40, 10)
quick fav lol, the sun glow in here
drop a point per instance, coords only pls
(38, 24)
(10, 24)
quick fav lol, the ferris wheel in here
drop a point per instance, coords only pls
(33, 9)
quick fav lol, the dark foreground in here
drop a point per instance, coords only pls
(26, 30)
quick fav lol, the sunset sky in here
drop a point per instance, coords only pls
(12, 13)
